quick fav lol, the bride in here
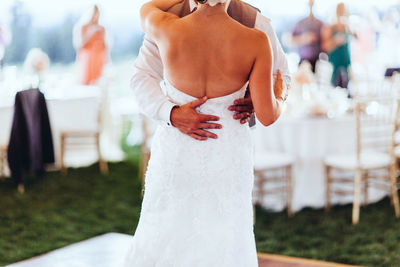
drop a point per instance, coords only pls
(197, 206)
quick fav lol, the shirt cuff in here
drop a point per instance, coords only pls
(165, 112)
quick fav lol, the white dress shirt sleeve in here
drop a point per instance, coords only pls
(145, 83)
(280, 63)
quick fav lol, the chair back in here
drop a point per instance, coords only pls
(367, 88)
(396, 127)
(375, 125)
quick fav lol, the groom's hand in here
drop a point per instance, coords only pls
(243, 109)
(193, 124)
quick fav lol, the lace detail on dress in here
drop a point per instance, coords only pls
(197, 208)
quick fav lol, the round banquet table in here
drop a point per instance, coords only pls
(309, 140)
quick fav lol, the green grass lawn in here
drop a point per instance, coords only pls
(60, 210)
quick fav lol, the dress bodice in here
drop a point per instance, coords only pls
(217, 106)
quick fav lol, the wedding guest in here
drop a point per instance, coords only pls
(363, 49)
(389, 38)
(335, 41)
(36, 63)
(307, 37)
(5, 39)
(89, 41)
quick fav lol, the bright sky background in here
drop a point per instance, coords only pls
(117, 12)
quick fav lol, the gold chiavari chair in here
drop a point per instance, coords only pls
(145, 149)
(81, 139)
(396, 141)
(3, 160)
(273, 177)
(373, 162)
(76, 138)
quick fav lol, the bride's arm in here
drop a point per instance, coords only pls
(267, 106)
(154, 16)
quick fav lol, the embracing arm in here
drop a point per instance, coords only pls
(145, 83)
(279, 58)
(154, 16)
(281, 76)
(266, 105)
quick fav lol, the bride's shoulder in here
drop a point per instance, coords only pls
(258, 40)
(257, 35)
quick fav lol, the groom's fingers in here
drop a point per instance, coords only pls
(205, 117)
(243, 102)
(205, 125)
(198, 102)
(198, 137)
(241, 108)
(206, 134)
(241, 116)
(246, 120)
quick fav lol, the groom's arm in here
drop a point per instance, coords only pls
(244, 107)
(279, 62)
(145, 83)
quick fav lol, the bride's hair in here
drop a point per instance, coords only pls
(211, 2)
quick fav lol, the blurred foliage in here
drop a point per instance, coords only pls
(122, 50)
(56, 39)
(21, 29)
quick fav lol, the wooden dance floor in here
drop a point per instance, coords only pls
(108, 251)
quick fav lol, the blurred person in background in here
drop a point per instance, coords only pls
(5, 39)
(389, 39)
(366, 26)
(307, 37)
(90, 44)
(335, 41)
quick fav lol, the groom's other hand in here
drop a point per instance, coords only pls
(243, 109)
(193, 124)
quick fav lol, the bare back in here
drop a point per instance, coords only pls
(208, 56)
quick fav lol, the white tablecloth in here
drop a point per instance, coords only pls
(309, 140)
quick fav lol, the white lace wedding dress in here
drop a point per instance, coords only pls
(197, 207)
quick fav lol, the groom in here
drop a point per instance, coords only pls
(148, 73)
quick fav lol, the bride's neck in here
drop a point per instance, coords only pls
(207, 10)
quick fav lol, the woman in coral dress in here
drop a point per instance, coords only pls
(89, 39)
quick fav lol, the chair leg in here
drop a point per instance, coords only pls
(395, 195)
(141, 171)
(254, 214)
(356, 201)
(144, 161)
(2, 164)
(261, 193)
(62, 154)
(365, 177)
(102, 163)
(21, 188)
(327, 188)
(145, 164)
(289, 190)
